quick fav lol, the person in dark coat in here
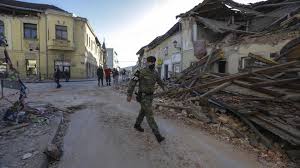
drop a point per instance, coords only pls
(100, 75)
(57, 74)
(115, 73)
(67, 75)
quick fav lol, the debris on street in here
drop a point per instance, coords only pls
(23, 139)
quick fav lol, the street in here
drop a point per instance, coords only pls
(102, 134)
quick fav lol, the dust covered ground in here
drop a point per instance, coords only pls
(101, 134)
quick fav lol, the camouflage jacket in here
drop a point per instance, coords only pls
(147, 79)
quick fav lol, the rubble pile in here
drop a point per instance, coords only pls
(264, 100)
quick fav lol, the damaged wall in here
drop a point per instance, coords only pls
(264, 46)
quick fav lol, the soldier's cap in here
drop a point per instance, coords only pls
(151, 59)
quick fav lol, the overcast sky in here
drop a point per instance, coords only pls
(127, 25)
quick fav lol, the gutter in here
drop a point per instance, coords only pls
(20, 8)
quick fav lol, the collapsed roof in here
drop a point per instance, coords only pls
(221, 9)
(222, 16)
(255, 17)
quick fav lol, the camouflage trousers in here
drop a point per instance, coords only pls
(146, 110)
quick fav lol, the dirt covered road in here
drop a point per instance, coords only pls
(102, 135)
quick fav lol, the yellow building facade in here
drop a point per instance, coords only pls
(41, 40)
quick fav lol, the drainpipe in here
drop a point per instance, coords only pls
(47, 61)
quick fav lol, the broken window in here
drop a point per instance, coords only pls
(249, 63)
(61, 32)
(30, 31)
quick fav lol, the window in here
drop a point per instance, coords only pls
(1, 28)
(30, 31)
(166, 50)
(61, 32)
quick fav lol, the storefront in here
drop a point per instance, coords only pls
(64, 67)
(31, 67)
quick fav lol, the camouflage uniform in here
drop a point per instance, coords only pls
(147, 79)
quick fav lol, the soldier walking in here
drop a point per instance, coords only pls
(147, 78)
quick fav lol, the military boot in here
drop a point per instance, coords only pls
(159, 138)
(138, 128)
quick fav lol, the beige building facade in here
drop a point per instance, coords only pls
(40, 40)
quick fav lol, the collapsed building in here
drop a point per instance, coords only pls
(264, 29)
(236, 60)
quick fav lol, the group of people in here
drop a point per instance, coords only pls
(107, 72)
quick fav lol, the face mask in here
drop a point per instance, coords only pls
(152, 66)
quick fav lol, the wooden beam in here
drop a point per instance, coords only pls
(232, 77)
(258, 89)
(262, 59)
(275, 83)
(265, 140)
(172, 106)
(216, 89)
(278, 75)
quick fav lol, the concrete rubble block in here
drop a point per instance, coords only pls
(53, 152)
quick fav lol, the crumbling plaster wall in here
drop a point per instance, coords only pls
(234, 53)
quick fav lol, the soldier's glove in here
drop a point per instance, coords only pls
(138, 96)
(129, 98)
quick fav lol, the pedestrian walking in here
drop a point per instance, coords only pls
(100, 75)
(116, 76)
(123, 74)
(107, 76)
(147, 78)
(67, 75)
(57, 75)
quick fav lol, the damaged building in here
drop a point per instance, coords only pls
(239, 61)
(225, 32)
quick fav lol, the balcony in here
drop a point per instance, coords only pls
(56, 44)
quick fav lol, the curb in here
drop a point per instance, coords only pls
(45, 161)
(71, 81)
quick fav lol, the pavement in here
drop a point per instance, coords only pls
(102, 135)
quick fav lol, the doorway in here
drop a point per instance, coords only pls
(166, 68)
(222, 66)
(64, 67)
